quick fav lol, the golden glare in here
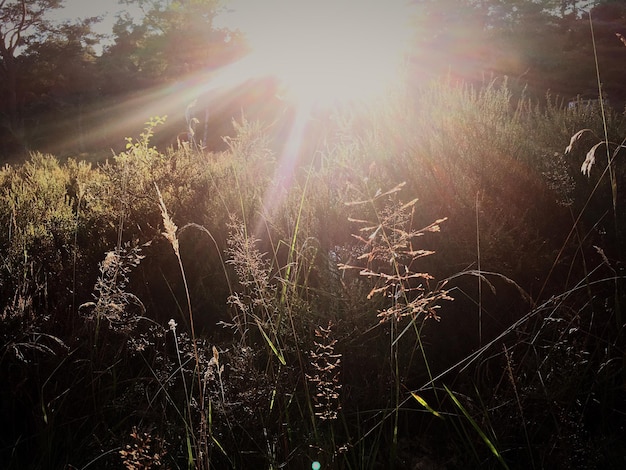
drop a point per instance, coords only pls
(327, 50)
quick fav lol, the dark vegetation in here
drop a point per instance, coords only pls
(432, 283)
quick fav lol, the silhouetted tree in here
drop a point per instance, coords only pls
(176, 39)
(21, 22)
(122, 63)
(60, 73)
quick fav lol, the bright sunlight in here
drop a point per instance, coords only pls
(325, 51)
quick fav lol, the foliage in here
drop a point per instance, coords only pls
(190, 309)
(20, 22)
(174, 39)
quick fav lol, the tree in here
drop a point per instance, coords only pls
(529, 41)
(60, 75)
(121, 63)
(177, 38)
(21, 22)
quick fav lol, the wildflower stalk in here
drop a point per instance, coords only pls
(389, 252)
(169, 233)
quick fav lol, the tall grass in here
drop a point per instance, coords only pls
(311, 320)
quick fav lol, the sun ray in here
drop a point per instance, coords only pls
(323, 54)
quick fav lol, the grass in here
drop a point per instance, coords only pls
(330, 316)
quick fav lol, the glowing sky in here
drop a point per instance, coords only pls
(74, 9)
(324, 49)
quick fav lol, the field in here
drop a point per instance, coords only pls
(428, 281)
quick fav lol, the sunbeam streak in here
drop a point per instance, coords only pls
(286, 165)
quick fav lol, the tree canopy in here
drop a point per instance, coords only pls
(22, 23)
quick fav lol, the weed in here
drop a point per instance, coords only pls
(325, 364)
(140, 455)
(113, 304)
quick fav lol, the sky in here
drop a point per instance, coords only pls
(337, 47)
(237, 13)
(81, 8)
(84, 8)
(250, 16)
(110, 8)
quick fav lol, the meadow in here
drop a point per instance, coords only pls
(427, 281)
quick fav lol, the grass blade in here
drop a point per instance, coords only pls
(423, 402)
(475, 425)
(269, 342)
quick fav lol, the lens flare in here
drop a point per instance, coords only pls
(327, 51)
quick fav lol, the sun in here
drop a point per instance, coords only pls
(323, 51)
